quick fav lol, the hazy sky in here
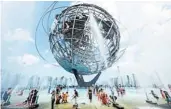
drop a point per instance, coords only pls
(145, 29)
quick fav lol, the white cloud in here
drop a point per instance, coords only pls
(110, 6)
(25, 60)
(150, 42)
(154, 12)
(18, 34)
(150, 9)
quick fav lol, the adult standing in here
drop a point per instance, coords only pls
(90, 94)
(57, 94)
(97, 89)
(162, 93)
(75, 96)
(52, 99)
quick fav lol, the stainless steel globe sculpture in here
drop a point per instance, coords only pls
(73, 44)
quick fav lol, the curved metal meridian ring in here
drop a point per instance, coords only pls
(41, 19)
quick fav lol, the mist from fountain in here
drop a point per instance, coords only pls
(98, 37)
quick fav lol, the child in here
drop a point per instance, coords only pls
(66, 97)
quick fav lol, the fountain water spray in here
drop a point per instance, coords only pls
(98, 37)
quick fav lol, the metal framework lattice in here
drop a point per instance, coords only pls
(72, 42)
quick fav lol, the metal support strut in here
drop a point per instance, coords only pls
(80, 79)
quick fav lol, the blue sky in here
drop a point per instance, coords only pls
(145, 25)
(19, 21)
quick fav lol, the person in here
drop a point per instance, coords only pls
(97, 88)
(52, 99)
(112, 98)
(118, 91)
(57, 94)
(66, 97)
(33, 99)
(75, 96)
(168, 98)
(75, 93)
(58, 99)
(63, 94)
(122, 91)
(154, 95)
(28, 100)
(103, 98)
(98, 94)
(6, 96)
(90, 94)
(162, 93)
(108, 100)
(2, 92)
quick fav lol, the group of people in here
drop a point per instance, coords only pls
(165, 95)
(32, 98)
(101, 95)
(56, 95)
(120, 90)
(63, 97)
(104, 98)
(60, 97)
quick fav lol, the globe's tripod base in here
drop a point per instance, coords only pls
(80, 79)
